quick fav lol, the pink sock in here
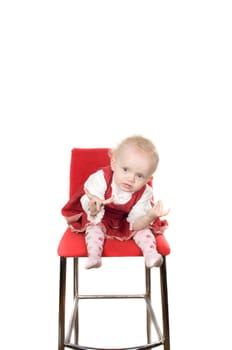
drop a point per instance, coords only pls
(94, 239)
(146, 242)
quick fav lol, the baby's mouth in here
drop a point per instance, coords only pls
(126, 186)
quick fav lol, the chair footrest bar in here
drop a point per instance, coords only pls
(138, 347)
(113, 296)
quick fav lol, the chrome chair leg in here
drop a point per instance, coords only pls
(165, 311)
(75, 295)
(62, 291)
(148, 295)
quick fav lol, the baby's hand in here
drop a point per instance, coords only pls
(158, 210)
(95, 203)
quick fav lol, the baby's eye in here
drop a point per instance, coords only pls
(140, 176)
(125, 169)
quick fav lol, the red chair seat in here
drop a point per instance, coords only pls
(73, 245)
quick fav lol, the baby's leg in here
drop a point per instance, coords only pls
(94, 239)
(146, 242)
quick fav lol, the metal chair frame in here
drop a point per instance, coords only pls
(64, 340)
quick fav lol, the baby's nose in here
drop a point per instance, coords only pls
(131, 177)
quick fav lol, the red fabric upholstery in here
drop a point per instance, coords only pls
(84, 161)
(73, 244)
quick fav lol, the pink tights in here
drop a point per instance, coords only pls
(146, 242)
(144, 239)
(94, 239)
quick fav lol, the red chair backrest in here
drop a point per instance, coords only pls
(85, 161)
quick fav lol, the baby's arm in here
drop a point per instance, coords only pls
(145, 212)
(95, 204)
(94, 197)
(145, 220)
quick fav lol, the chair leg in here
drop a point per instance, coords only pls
(75, 295)
(62, 291)
(165, 311)
(148, 294)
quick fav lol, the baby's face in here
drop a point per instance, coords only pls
(132, 168)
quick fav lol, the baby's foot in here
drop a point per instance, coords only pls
(93, 263)
(153, 260)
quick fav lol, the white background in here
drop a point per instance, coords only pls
(88, 73)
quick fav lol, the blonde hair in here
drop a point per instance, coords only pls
(141, 143)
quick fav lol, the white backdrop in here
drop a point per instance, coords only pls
(88, 73)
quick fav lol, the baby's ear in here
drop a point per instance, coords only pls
(112, 162)
(150, 180)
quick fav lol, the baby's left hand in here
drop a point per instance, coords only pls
(158, 210)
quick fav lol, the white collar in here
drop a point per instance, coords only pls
(120, 196)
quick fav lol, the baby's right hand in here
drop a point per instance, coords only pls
(95, 203)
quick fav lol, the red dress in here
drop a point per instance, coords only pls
(114, 222)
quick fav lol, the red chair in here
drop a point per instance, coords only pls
(72, 246)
